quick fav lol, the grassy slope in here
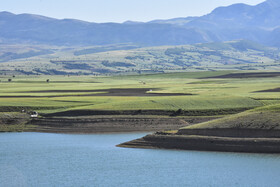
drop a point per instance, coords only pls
(237, 55)
(260, 118)
(14, 121)
(174, 103)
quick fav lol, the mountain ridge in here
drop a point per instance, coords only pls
(259, 23)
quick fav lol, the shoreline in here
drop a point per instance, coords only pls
(166, 136)
(111, 124)
(87, 121)
(206, 143)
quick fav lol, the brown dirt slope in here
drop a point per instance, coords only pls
(102, 124)
(205, 143)
(257, 130)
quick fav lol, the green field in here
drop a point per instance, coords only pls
(66, 93)
(205, 95)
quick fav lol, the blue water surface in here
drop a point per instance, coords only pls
(42, 159)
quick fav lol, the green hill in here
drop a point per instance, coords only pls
(132, 59)
(260, 118)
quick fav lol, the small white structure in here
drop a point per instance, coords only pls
(34, 114)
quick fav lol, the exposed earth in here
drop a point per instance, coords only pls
(129, 92)
(245, 75)
(112, 124)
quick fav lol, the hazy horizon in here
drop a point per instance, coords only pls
(123, 10)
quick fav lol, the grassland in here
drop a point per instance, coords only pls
(266, 118)
(254, 130)
(61, 92)
(91, 93)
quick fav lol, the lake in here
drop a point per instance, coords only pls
(42, 159)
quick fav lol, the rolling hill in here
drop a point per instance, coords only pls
(133, 59)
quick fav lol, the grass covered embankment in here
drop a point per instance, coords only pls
(260, 122)
(256, 130)
(14, 122)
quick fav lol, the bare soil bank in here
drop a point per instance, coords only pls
(216, 139)
(129, 92)
(207, 143)
(232, 132)
(245, 132)
(108, 124)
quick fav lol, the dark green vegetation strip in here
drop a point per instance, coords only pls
(131, 92)
(179, 112)
(245, 75)
(270, 90)
(25, 108)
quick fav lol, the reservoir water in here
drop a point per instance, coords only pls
(38, 159)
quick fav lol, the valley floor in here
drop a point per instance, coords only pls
(217, 111)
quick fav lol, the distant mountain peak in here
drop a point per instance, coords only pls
(5, 13)
(231, 10)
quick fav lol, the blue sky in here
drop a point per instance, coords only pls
(117, 10)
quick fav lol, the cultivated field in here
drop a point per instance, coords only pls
(215, 93)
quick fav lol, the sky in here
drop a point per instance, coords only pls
(117, 10)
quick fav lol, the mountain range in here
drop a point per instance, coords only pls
(259, 23)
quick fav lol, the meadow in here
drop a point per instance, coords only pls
(64, 93)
